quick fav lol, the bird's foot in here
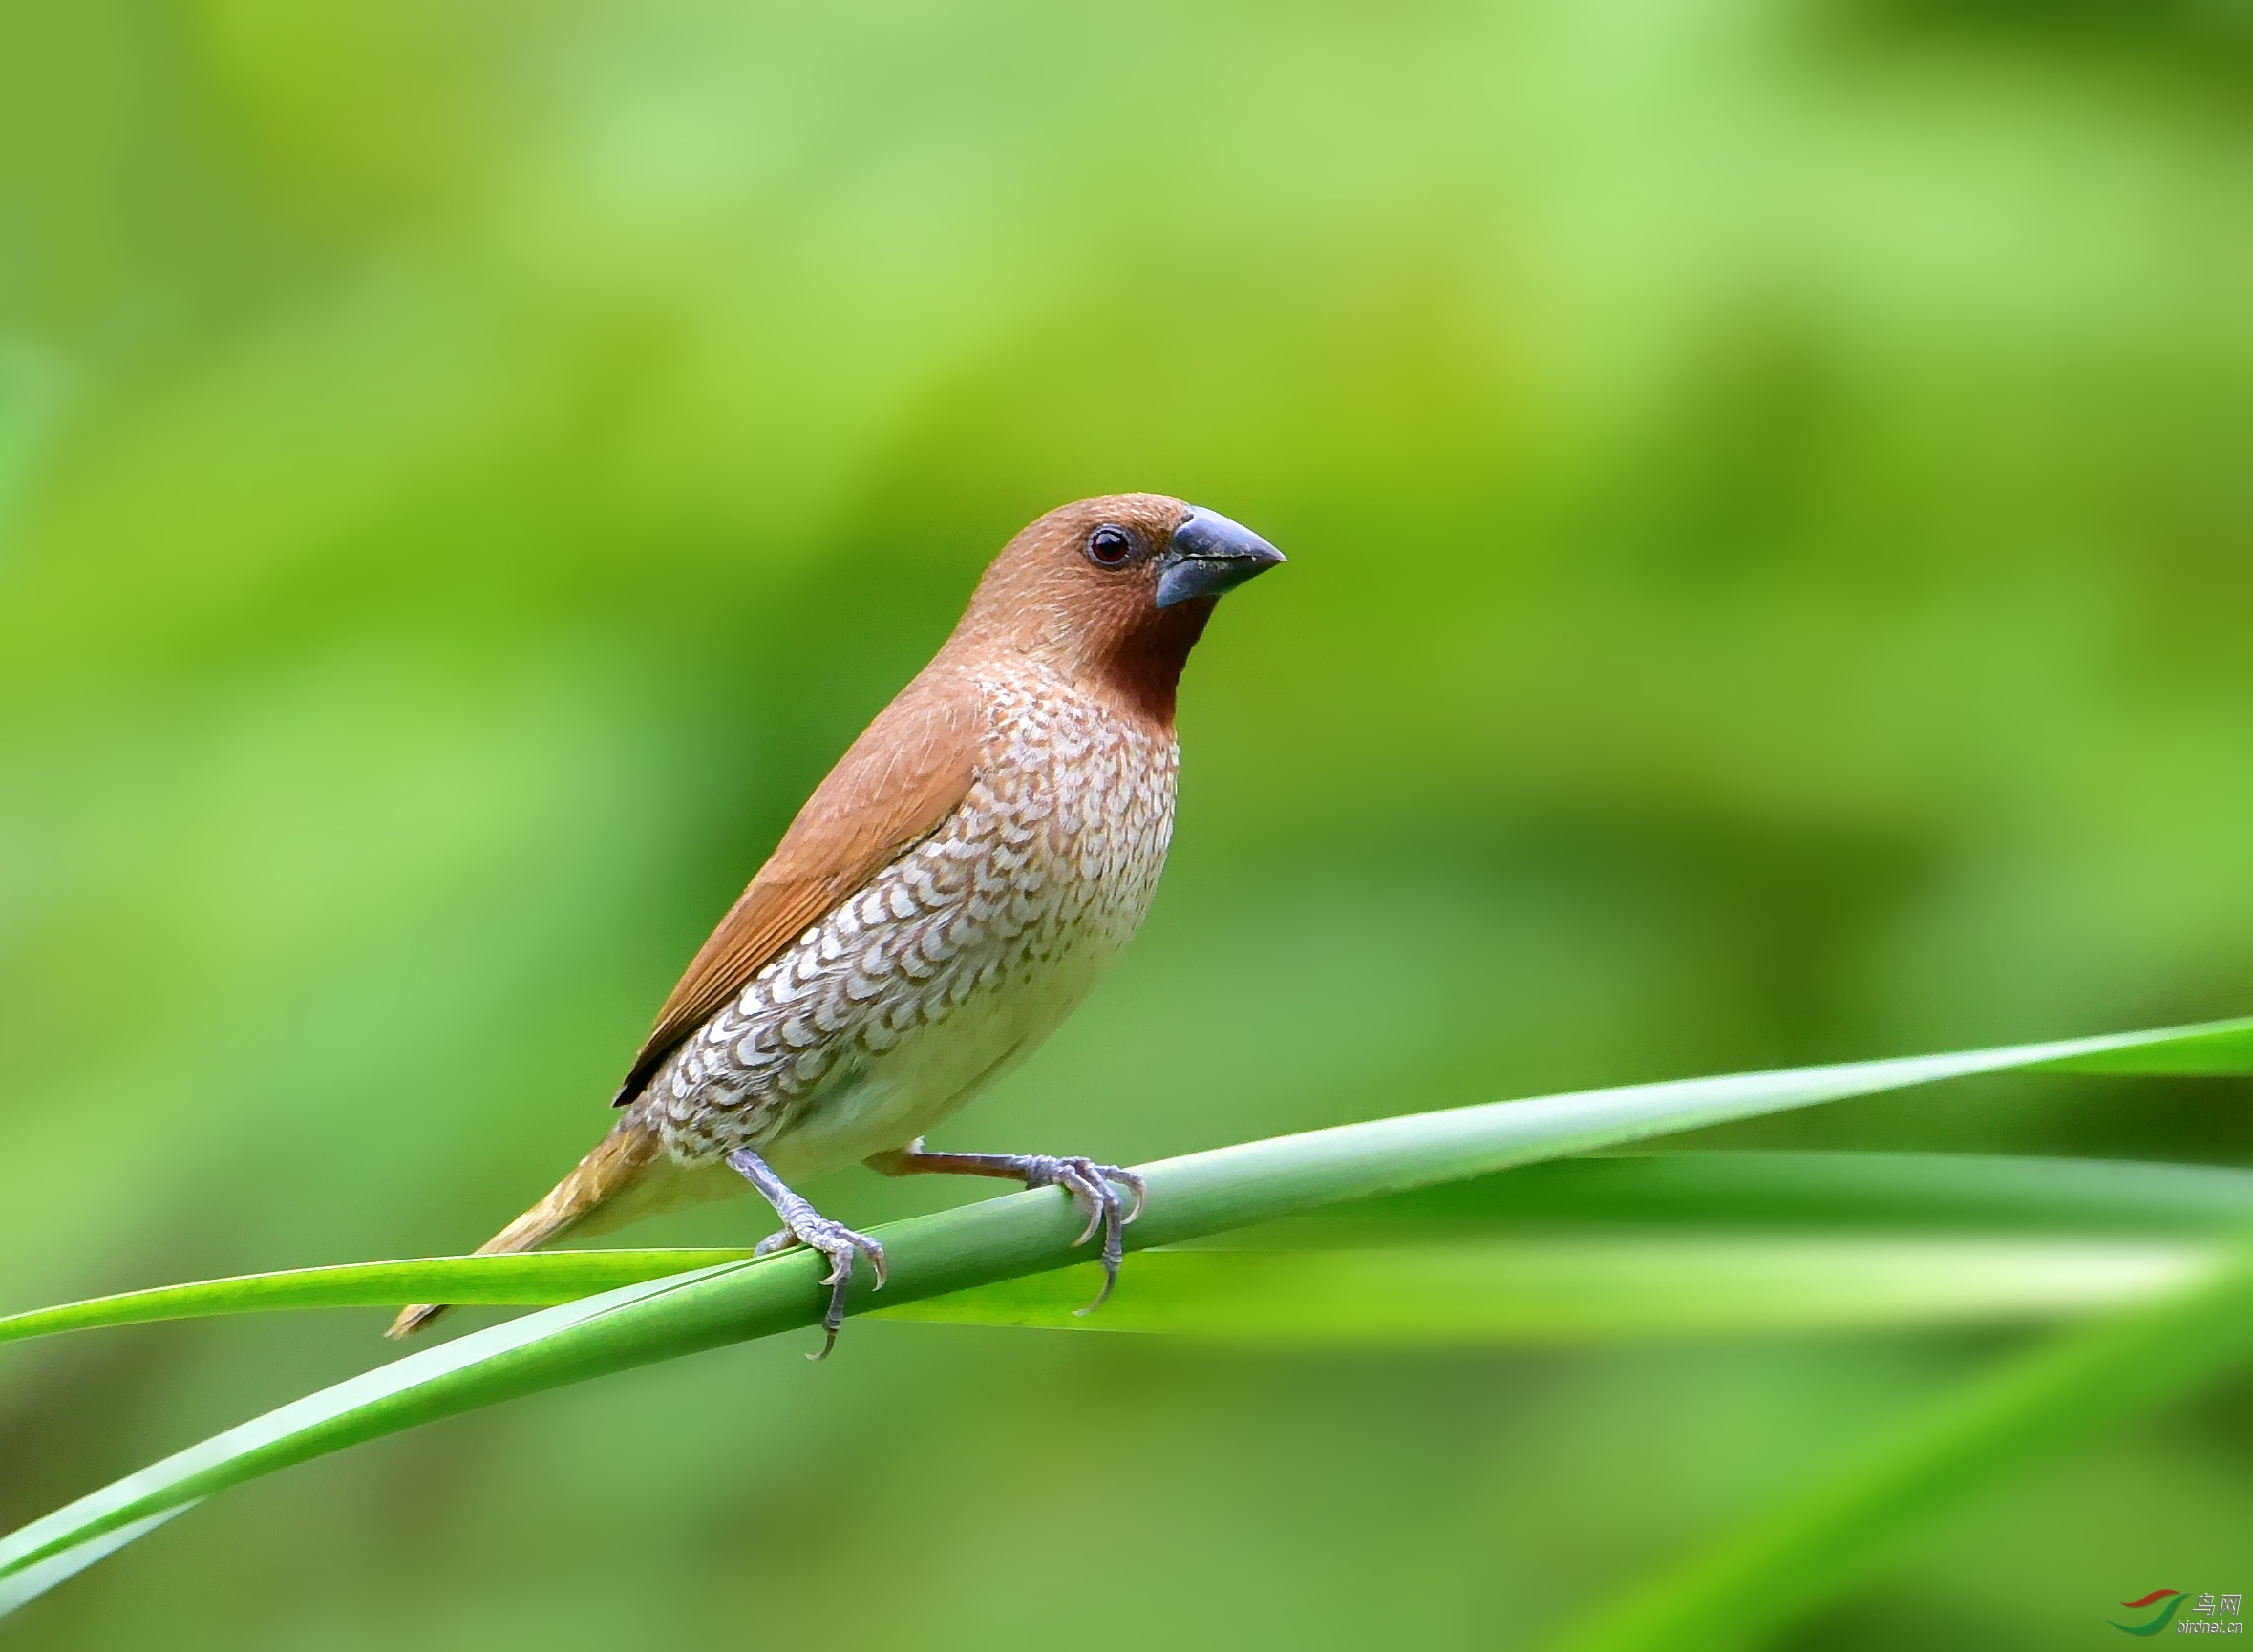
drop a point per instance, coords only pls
(807, 1226)
(1096, 1187)
(837, 1242)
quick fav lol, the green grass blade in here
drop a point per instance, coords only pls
(1805, 1191)
(1739, 1591)
(1550, 1289)
(534, 1281)
(1029, 1233)
(34, 1581)
(1808, 1191)
(2215, 1050)
(438, 1382)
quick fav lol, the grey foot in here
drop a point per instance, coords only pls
(1093, 1185)
(1083, 1178)
(810, 1228)
(837, 1242)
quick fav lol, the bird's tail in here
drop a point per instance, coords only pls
(620, 1161)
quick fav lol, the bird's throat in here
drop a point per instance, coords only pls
(1140, 674)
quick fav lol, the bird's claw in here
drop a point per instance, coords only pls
(837, 1242)
(1092, 1185)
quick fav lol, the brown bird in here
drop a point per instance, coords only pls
(944, 900)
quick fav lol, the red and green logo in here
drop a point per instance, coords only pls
(2173, 1598)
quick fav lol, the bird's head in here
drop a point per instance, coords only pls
(1116, 589)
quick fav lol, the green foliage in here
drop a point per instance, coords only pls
(1455, 1262)
(953, 1253)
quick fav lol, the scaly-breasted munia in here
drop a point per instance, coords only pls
(946, 897)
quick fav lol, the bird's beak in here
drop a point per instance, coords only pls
(1209, 555)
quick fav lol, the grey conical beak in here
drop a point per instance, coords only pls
(1209, 555)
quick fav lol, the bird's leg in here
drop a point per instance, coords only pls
(1084, 1179)
(804, 1225)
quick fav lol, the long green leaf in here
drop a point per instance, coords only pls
(1807, 1193)
(509, 1281)
(35, 1580)
(1573, 1289)
(1028, 1233)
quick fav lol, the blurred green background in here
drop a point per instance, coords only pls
(1766, 487)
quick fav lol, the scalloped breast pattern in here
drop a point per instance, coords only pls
(953, 962)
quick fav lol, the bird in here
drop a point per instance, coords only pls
(944, 900)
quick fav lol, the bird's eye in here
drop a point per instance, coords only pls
(1109, 547)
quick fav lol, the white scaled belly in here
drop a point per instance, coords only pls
(934, 1070)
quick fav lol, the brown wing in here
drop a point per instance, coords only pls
(898, 784)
